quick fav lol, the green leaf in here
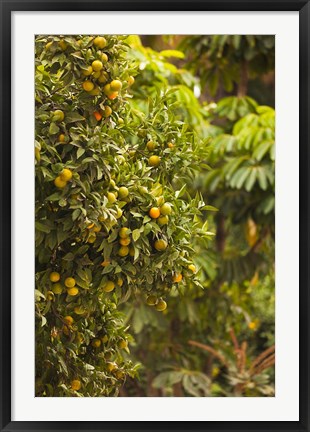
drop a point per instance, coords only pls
(73, 117)
(53, 129)
(136, 234)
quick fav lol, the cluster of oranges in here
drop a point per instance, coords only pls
(64, 177)
(70, 284)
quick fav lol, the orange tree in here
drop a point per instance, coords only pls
(111, 221)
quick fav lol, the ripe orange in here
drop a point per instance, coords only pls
(88, 86)
(54, 277)
(88, 71)
(123, 251)
(100, 42)
(76, 385)
(97, 65)
(112, 95)
(107, 89)
(125, 241)
(150, 145)
(73, 291)
(95, 92)
(154, 212)
(97, 115)
(70, 282)
(59, 182)
(66, 174)
(109, 286)
(177, 277)
(104, 58)
(123, 232)
(68, 320)
(116, 85)
(160, 245)
(154, 161)
(103, 77)
(61, 138)
(105, 263)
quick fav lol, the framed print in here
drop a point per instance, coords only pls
(154, 182)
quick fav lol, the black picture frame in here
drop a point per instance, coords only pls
(7, 7)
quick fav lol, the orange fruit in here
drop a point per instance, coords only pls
(109, 286)
(123, 251)
(70, 282)
(58, 115)
(100, 42)
(163, 220)
(107, 111)
(68, 320)
(59, 182)
(161, 305)
(116, 85)
(76, 385)
(123, 232)
(97, 115)
(97, 65)
(154, 161)
(166, 209)
(54, 277)
(88, 71)
(57, 288)
(88, 86)
(73, 291)
(105, 263)
(154, 212)
(177, 277)
(111, 197)
(104, 58)
(192, 267)
(66, 174)
(150, 145)
(112, 95)
(61, 138)
(125, 241)
(160, 245)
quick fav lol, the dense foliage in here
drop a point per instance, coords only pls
(130, 145)
(111, 222)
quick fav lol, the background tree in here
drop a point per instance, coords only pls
(233, 318)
